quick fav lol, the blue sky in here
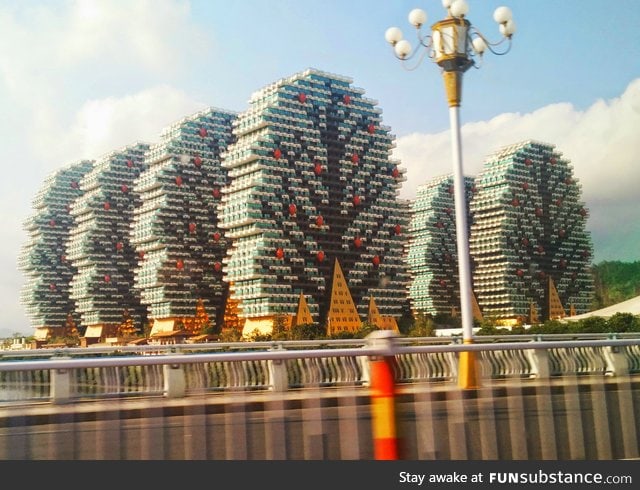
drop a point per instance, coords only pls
(81, 78)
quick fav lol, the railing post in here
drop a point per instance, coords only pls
(60, 385)
(175, 384)
(383, 395)
(452, 359)
(617, 363)
(365, 366)
(539, 360)
(278, 378)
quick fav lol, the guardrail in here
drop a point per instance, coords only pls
(186, 369)
(292, 344)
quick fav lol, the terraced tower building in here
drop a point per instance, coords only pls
(311, 181)
(529, 234)
(43, 260)
(432, 254)
(175, 230)
(99, 247)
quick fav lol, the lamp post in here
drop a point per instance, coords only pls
(456, 45)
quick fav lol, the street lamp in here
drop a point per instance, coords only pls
(456, 45)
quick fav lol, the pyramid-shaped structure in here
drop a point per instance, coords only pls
(556, 310)
(381, 321)
(303, 315)
(475, 308)
(343, 314)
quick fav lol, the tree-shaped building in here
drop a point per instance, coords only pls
(311, 181)
(48, 272)
(176, 231)
(529, 238)
(432, 255)
(99, 246)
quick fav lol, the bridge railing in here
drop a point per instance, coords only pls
(183, 370)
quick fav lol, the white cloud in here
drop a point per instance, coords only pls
(154, 33)
(44, 46)
(55, 56)
(121, 56)
(602, 143)
(79, 79)
(104, 125)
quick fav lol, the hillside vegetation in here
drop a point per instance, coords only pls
(614, 282)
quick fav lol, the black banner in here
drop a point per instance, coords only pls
(329, 475)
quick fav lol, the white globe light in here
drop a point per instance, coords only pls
(403, 48)
(393, 35)
(447, 3)
(459, 8)
(479, 45)
(417, 17)
(508, 29)
(502, 15)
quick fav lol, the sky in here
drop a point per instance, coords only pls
(81, 78)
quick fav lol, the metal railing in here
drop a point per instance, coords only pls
(181, 370)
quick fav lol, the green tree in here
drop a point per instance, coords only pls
(68, 340)
(550, 327)
(258, 336)
(593, 324)
(614, 282)
(209, 329)
(623, 322)
(406, 320)
(423, 326)
(279, 330)
(490, 329)
(344, 335)
(146, 329)
(365, 329)
(488, 326)
(448, 320)
(230, 335)
(307, 331)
